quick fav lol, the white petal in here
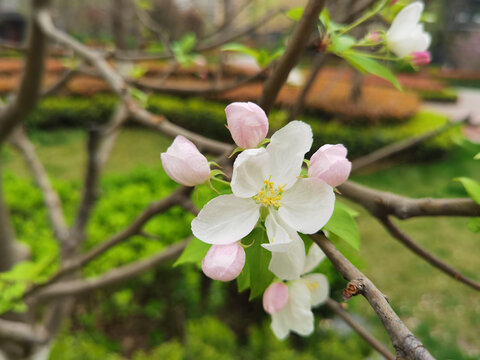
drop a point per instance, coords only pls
(308, 205)
(279, 238)
(289, 265)
(406, 19)
(319, 288)
(225, 219)
(314, 257)
(249, 172)
(287, 150)
(296, 315)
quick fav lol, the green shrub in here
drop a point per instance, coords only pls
(208, 118)
(445, 95)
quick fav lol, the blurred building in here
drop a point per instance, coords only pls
(12, 23)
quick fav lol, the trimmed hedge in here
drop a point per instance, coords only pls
(208, 118)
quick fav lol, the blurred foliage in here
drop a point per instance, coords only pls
(153, 309)
(208, 118)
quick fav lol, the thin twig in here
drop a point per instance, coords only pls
(398, 147)
(112, 277)
(52, 201)
(315, 69)
(426, 255)
(374, 343)
(406, 345)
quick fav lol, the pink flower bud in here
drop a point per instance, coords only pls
(330, 164)
(275, 297)
(247, 123)
(421, 58)
(184, 163)
(393, 2)
(224, 262)
(374, 37)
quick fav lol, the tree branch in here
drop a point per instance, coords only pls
(398, 147)
(426, 255)
(16, 331)
(406, 345)
(315, 69)
(100, 143)
(52, 201)
(290, 57)
(374, 343)
(382, 203)
(24, 101)
(120, 87)
(112, 277)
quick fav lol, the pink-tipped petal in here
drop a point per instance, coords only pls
(329, 163)
(247, 123)
(275, 297)
(184, 163)
(421, 58)
(224, 262)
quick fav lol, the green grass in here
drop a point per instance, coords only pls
(442, 312)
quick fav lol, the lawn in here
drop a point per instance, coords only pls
(442, 312)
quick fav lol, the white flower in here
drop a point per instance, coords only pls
(304, 293)
(406, 35)
(267, 179)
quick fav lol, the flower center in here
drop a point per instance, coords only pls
(269, 195)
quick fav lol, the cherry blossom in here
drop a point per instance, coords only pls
(406, 35)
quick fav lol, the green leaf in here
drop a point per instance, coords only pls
(343, 225)
(237, 47)
(296, 13)
(365, 64)
(258, 259)
(325, 18)
(474, 225)
(145, 4)
(140, 96)
(340, 43)
(263, 58)
(187, 42)
(193, 253)
(472, 187)
(477, 157)
(138, 71)
(243, 280)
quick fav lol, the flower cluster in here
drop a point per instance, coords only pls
(405, 38)
(268, 190)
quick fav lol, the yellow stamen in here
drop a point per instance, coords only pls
(269, 195)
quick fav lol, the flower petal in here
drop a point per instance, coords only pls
(296, 315)
(314, 257)
(289, 265)
(308, 205)
(319, 288)
(249, 172)
(279, 238)
(406, 19)
(225, 219)
(287, 150)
